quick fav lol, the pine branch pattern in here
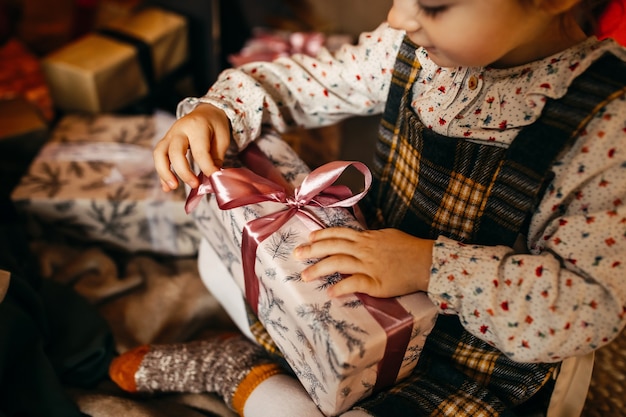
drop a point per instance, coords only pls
(48, 181)
(322, 324)
(293, 277)
(338, 217)
(329, 281)
(282, 243)
(304, 372)
(250, 213)
(272, 306)
(412, 354)
(353, 304)
(226, 256)
(115, 216)
(290, 168)
(271, 273)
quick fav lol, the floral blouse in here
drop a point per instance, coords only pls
(568, 295)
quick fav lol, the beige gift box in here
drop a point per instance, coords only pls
(94, 181)
(101, 73)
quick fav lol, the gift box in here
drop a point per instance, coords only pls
(21, 75)
(94, 181)
(341, 350)
(110, 69)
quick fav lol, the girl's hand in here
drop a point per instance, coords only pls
(206, 132)
(381, 263)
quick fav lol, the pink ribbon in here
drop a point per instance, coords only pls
(236, 187)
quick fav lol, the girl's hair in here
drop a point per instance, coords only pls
(588, 14)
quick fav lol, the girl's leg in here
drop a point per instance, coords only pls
(220, 283)
(282, 396)
(228, 365)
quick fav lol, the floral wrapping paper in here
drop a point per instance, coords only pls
(332, 345)
(94, 180)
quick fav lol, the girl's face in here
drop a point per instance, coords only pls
(500, 33)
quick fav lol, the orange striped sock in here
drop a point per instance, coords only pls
(256, 375)
(124, 367)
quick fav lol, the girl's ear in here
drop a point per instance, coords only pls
(556, 7)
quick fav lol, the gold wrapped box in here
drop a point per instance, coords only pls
(105, 71)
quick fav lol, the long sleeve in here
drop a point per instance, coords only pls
(568, 296)
(305, 91)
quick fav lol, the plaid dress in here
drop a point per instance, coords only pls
(430, 185)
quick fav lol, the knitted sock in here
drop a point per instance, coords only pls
(230, 366)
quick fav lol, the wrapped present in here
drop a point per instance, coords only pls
(21, 76)
(94, 180)
(343, 349)
(108, 70)
(268, 45)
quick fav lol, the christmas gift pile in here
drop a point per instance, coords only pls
(118, 64)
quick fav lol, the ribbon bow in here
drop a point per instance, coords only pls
(236, 187)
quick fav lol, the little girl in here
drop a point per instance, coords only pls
(500, 190)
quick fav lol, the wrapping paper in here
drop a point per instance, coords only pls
(108, 70)
(334, 346)
(94, 180)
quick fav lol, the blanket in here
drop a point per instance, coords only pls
(67, 308)
(143, 299)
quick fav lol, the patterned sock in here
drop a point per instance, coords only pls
(228, 366)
